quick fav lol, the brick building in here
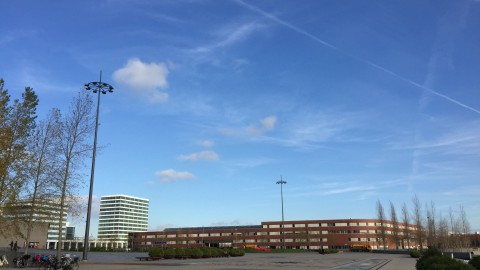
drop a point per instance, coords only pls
(303, 234)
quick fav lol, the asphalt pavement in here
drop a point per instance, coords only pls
(266, 261)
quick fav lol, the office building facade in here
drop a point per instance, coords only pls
(305, 234)
(120, 215)
(46, 212)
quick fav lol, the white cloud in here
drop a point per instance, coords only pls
(227, 131)
(230, 35)
(206, 143)
(170, 175)
(266, 124)
(146, 80)
(204, 155)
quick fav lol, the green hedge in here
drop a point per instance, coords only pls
(236, 252)
(169, 253)
(433, 259)
(194, 253)
(475, 262)
(414, 253)
(155, 252)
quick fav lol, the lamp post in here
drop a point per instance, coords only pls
(97, 88)
(281, 183)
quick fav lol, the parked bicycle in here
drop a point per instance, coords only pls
(69, 263)
(65, 263)
(21, 261)
(3, 260)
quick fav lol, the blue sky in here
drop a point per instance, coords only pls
(349, 101)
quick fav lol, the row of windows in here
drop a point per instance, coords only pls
(125, 206)
(106, 198)
(126, 229)
(123, 221)
(123, 202)
(130, 228)
(109, 222)
(114, 236)
(130, 204)
(331, 224)
(119, 210)
(119, 215)
(246, 241)
(122, 217)
(289, 234)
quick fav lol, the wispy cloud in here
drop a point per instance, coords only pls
(199, 156)
(147, 80)
(343, 52)
(266, 124)
(359, 188)
(308, 130)
(229, 36)
(206, 143)
(40, 78)
(171, 175)
(462, 140)
(251, 162)
(305, 129)
(17, 34)
(227, 131)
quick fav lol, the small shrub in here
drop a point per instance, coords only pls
(216, 252)
(475, 262)
(433, 259)
(179, 253)
(236, 252)
(155, 252)
(169, 253)
(196, 253)
(414, 253)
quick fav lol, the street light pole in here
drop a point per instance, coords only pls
(96, 87)
(281, 182)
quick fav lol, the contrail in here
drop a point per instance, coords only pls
(333, 47)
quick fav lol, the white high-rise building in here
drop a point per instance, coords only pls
(121, 214)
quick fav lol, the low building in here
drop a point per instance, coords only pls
(43, 213)
(18, 232)
(303, 234)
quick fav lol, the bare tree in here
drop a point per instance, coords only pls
(406, 225)
(382, 229)
(417, 215)
(395, 229)
(16, 124)
(76, 127)
(43, 153)
(465, 228)
(455, 231)
(443, 235)
(431, 226)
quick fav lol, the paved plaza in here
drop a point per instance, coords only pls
(255, 261)
(266, 261)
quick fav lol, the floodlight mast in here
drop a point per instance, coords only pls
(97, 88)
(281, 183)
